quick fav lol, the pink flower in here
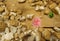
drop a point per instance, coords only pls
(36, 21)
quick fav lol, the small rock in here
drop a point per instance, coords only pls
(46, 34)
(13, 29)
(23, 28)
(22, 18)
(46, 11)
(41, 29)
(12, 17)
(15, 36)
(33, 4)
(57, 29)
(21, 35)
(2, 26)
(52, 6)
(57, 9)
(13, 23)
(5, 17)
(13, 13)
(18, 31)
(39, 3)
(6, 30)
(8, 36)
(21, 1)
(30, 16)
(41, 7)
(37, 8)
(57, 34)
(1, 9)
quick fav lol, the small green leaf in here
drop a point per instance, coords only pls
(51, 14)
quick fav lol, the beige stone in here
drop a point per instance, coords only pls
(2, 26)
(46, 11)
(57, 34)
(1, 9)
(46, 34)
(52, 5)
(13, 23)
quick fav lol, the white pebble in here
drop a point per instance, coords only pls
(13, 13)
(56, 28)
(22, 18)
(41, 8)
(6, 30)
(7, 36)
(13, 29)
(3, 13)
(23, 29)
(33, 33)
(57, 9)
(21, 0)
(27, 32)
(37, 8)
(30, 16)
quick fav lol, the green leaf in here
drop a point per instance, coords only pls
(51, 14)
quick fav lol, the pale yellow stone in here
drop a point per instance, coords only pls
(1, 9)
